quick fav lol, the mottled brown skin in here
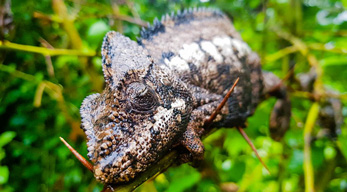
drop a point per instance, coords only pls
(160, 91)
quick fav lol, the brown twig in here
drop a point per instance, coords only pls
(84, 162)
(50, 68)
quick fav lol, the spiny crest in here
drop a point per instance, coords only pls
(184, 16)
(190, 14)
(147, 33)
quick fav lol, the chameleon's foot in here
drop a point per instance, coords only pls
(280, 119)
(280, 115)
(192, 142)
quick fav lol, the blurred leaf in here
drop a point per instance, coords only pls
(296, 162)
(96, 32)
(333, 61)
(237, 170)
(6, 137)
(4, 173)
(329, 152)
(185, 181)
(342, 144)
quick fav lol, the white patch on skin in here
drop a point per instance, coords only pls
(179, 103)
(236, 89)
(177, 63)
(192, 53)
(161, 118)
(164, 67)
(211, 49)
(241, 47)
(224, 43)
(162, 112)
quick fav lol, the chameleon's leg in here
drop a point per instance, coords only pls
(191, 137)
(192, 142)
(209, 108)
(203, 96)
(280, 115)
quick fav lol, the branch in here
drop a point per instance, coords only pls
(308, 168)
(153, 171)
(60, 9)
(55, 91)
(129, 19)
(281, 53)
(322, 47)
(305, 51)
(44, 51)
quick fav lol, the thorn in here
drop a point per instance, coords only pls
(244, 135)
(220, 106)
(84, 162)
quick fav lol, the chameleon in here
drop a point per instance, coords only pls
(161, 89)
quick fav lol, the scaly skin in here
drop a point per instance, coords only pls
(160, 91)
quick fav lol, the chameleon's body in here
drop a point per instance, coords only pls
(161, 90)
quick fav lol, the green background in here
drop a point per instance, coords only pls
(41, 92)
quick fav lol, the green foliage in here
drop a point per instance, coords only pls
(5, 138)
(40, 95)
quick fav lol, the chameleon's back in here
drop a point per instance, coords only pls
(203, 48)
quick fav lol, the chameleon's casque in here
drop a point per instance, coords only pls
(161, 89)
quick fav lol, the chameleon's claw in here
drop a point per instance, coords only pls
(244, 135)
(84, 162)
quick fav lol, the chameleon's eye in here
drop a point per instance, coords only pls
(141, 98)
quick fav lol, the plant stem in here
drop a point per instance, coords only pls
(44, 51)
(308, 168)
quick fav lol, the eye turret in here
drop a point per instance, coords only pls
(141, 98)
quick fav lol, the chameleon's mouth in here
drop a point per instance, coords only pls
(114, 168)
(101, 172)
(109, 177)
(119, 165)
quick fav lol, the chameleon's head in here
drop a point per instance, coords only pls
(138, 117)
